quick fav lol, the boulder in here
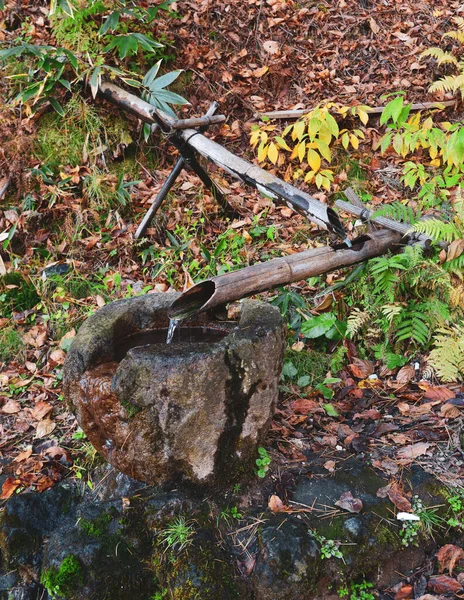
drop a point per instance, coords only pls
(193, 410)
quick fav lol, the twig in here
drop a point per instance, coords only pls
(294, 114)
(4, 184)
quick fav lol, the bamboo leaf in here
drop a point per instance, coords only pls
(314, 160)
(272, 153)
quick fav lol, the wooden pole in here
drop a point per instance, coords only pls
(269, 185)
(226, 288)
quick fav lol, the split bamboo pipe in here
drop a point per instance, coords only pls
(226, 288)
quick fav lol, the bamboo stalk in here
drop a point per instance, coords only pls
(226, 288)
(295, 114)
(269, 185)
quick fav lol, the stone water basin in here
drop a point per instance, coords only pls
(193, 410)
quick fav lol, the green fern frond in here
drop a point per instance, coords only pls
(396, 211)
(413, 326)
(390, 311)
(437, 230)
(356, 321)
(440, 56)
(455, 266)
(447, 357)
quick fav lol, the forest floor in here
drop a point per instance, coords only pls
(68, 249)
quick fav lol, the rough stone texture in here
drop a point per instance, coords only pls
(190, 410)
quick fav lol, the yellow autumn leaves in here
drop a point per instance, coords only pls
(309, 142)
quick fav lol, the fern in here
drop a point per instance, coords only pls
(437, 230)
(356, 321)
(440, 55)
(455, 266)
(396, 211)
(413, 325)
(390, 311)
(447, 357)
(449, 83)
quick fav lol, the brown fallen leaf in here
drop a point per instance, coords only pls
(9, 487)
(409, 453)
(347, 502)
(22, 456)
(448, 556)
(404, 593)
(387, 465)
(443, 584)
(276, 505)
(44, 428)
(330, 466)
(396, 495)
(36, 336)
(57, 357)
(438, 392)
(40, 410)
(406, 374)
(304, 405)
(361, 368)
(11, 407)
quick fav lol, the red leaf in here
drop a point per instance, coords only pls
(9, 487)
(361, 368)
(404, 593)
(347, 502)
(442, 584)
(448, 556)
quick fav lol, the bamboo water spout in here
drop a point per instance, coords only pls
(257, 278)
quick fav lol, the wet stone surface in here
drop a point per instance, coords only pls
(194, 410)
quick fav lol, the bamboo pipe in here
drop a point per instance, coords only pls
(269, 185)
(232, 286)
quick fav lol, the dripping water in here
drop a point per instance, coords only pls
(173, 323)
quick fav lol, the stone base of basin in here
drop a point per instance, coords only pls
(192, 410)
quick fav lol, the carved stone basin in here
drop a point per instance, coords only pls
(194, 410)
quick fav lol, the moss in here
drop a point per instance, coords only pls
(62, 581)
(11, 345)
(16, 294)
(96, 527)
(385, 536)
(131, 409)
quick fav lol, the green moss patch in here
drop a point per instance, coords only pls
(62, 581)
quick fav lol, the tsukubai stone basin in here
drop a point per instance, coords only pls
(194, 410)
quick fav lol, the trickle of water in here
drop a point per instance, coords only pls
(173, 323)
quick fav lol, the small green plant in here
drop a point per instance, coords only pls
(263, 462)
(11, 345)
(357, 591)
(96, 527)
(63, 581)
(325, 326)
(455, 502)
(428, 522)
(177, 536)
(329, 548)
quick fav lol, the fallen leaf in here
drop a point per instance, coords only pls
(44, 428)
(9, 487)
(57, 452)
(438, 392)
(260, 72)
(67, 339)
(404, 593)
(271, 47)
(361, 368)
(11, 407)
(36, 336)
(387, 465)
(443, 584)
(396, 495)
(57, 357)
(40, 410)
(374, 27)
(406, 374)
(330, 465)
(276, 505)
(304, 405)
(22, 456)
(347, 502)
(448, 556)
(411, 452)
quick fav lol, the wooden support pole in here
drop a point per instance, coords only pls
(226, 288)
(269, 185)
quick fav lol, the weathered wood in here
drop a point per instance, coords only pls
(295, 114)
(226, 288)
(269, 185)
(198, 122)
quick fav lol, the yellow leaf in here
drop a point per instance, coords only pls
(254, 138)
(272, 153)
(354, 141)
(314, 160)
(301, 150)
(325, 183)
(363, 116)
(324, 150)
(345, 140)
(319, 179)
(299, 129)
(294, 153)
(262, 152)
(282, 143)
(435, 163)
(324, 134)
(264, 136)
(309, 176)
(313, 127)
(287, 130)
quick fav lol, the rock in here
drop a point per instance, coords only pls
(192, 411)
(288, 560)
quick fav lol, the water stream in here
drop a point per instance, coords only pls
(173, 323)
